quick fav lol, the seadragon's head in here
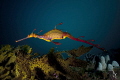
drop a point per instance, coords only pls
(32, 35)
(29, 36)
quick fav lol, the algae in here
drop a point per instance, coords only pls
(20, 63)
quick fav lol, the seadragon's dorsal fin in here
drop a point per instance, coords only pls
(57, 25)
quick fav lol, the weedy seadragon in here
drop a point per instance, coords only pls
(58, 34)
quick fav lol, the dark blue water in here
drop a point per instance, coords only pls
(94, 19)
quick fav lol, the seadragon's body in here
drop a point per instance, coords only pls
(58, 34)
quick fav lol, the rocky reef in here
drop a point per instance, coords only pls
(20, 63)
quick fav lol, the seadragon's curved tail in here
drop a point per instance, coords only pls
(84, 41)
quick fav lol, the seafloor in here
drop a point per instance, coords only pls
(20, 63)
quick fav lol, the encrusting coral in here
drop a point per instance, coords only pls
(21, 64)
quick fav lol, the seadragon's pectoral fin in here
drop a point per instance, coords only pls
(57, 43)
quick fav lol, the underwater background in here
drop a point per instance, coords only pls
(36, 59)
(94, 19)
